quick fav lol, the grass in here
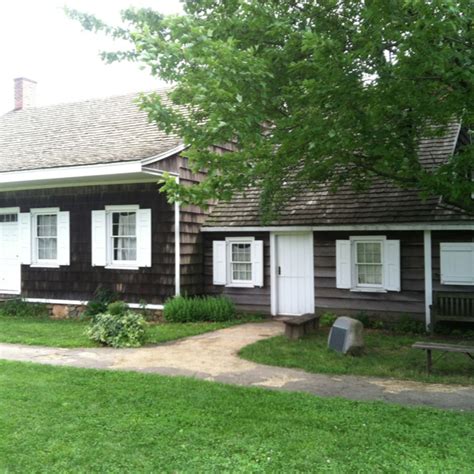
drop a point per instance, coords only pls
(386, 355)
(74, 420)
(70, 333)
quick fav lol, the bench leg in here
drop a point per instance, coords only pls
(429, 361)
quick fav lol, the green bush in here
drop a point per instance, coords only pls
(369, 322)
(407, 324)
(200, 308)
(22, 309)
(100, 302)
(118, 327)
(327, 319)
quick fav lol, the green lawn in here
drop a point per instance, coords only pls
(70, 333)
(75, 420)
(386, 355)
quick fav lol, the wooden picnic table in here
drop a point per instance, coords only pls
(435, 346)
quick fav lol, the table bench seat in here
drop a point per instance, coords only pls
(298, 326)
(436, 346)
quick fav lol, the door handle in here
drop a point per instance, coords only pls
(279, 270)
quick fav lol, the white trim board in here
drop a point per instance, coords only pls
(84, 303)
(82, 175)
(350, 228)
(166, 154)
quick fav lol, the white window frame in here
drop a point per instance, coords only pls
(35, 260)
(355, 286)
(120, 264)
(230, 281)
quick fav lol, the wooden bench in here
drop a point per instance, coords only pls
(434, 346)
(298, 326)
(452, 306)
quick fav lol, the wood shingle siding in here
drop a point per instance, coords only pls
(329, 298)
(79, 280)
(247, 299)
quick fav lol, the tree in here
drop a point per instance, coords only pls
(312, 92)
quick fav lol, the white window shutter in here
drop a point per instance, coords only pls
(219, 270)
(257, 262)
(457, 263)
(63, 239)
(144, 237)
(343, 264)
(392, 265)
(25, 238)
(99, 239)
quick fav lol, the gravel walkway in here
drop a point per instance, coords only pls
(213, 356)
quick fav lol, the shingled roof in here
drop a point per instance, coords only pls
(107, 130)
(383, 203)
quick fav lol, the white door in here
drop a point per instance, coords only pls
(10, 267)
(294, 274)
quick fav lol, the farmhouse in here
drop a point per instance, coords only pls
(80, 208)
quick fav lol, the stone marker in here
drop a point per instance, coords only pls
(346, 336)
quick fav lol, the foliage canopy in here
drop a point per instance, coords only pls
(329, 92)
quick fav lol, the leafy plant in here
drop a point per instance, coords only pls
(200, 308)
(118, 327)
(369, 322)
(20, 308)
(327, 319)
(408, 324)
(99, 303)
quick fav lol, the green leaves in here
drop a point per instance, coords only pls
(307, 88)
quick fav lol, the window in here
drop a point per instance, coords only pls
(121, 237)
(238, 262)
(8, 218)
(44, 235)
(46, 227)
(124, 236)
(368, 263)
(241, 262)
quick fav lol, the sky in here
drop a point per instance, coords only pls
(39, 42)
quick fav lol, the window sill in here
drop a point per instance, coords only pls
(240, 285)
(122, 267)
(44, 265)
(369, 290)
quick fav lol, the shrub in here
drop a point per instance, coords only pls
(118, 327)
(327, 319)
(201, 308)
(408, 324)
(369, 322)
(99, 303)
(22, 309)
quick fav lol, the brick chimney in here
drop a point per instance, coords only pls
(25, 93)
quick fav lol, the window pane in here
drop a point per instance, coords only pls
(242, 271)
(241, 252)
(125, 248)
(47, 248)
(369, 252)
(124, 224)
(369, 274)
(46, 225)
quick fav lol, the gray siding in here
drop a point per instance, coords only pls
(329, 298)
(246, 299)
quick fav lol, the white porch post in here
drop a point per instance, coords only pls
(428, 277)
(177, 247)
(273, 289)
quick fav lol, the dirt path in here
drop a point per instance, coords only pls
(213, 356)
